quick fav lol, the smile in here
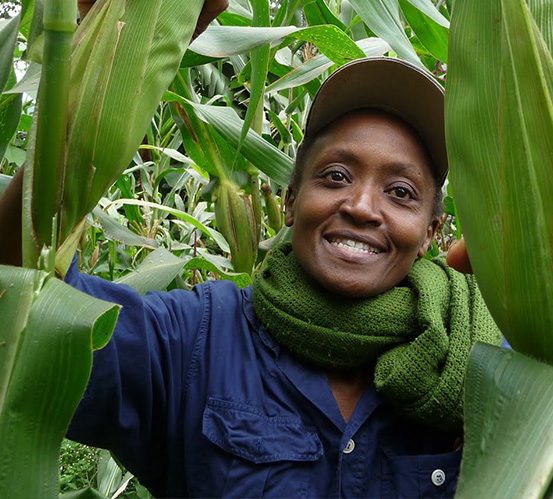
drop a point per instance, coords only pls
(354, 246)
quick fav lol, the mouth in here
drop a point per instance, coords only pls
(354, 246)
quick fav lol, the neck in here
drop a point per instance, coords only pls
(347, 387)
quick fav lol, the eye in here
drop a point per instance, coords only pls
(402, 192)
(336, 176)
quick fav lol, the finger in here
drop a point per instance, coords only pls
(458, 257)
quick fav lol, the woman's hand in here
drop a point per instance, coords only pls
(210, 10)
(458, 258)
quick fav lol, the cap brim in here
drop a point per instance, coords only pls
(391, 85)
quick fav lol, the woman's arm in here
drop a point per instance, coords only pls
(10, 221)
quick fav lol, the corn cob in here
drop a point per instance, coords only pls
(274, 216)
(236, 221)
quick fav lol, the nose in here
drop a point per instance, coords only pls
(363, 205)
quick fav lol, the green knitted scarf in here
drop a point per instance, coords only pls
(417, 335)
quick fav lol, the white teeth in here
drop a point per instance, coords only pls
(354, 246)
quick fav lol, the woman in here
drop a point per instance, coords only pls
(340, 372)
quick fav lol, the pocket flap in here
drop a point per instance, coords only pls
(246, 432)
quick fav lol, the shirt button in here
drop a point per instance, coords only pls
(349, 447)
(438, 477)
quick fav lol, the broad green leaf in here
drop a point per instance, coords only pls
(382, 17)
(115, 230)
(284, 133)
(508, 448)
(303, 74)
(224, 41)
(10, 112)
(262, 155)
(29, 83)
(35, 30)
(217, 237)
(229, 19)
(172, 153)
(318, 13)
(432, 35)
(526, 128)
(241, 279)
(430, 10)
(47, 378)
(8, 37)
(155, 272)
(472, 101)
(331, 41)
(15, 155)
(499, 127)
(18, 287)
(27, 8)
(243, 10)
(317, 65)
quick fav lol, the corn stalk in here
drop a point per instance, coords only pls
(97, 94)
(499, 127)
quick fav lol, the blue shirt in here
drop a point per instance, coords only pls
(197, 399)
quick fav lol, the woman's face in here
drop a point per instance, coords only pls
(363, 209)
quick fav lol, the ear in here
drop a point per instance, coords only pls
(289, 207)
(430, 232)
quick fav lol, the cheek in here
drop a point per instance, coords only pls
(409, 235)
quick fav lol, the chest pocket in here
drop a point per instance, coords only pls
(426, 476)
(267, 456)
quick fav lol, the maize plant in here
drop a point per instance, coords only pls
(500, 131)
(99, 88)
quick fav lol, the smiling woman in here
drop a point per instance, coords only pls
(340, 372)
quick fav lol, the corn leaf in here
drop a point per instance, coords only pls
(430, 10)
(115, 230)
(43, 373)
(224, 41)
(256, 149)
(383, 18)
(499, 126)
(318, 13)
(259, 60)
(147, 43)
(10, 112)
(8, 37)
(29, 83)
(241, 279)
(508, 449)
(155, 272)
(432, 35)
(317, 65)
(217, 237)
(202, 143)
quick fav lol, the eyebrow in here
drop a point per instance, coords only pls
(397, 167)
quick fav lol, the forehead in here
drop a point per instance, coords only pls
(383, 133)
